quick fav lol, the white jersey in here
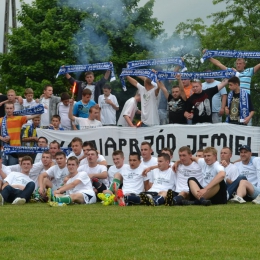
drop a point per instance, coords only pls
(85, 185)
(63, 111)
(186, 172)
(101, 158)
(17, 178)
(231, 172)
(45, 117)
(256, 163)
(6, 170)
(162, 180)
(73, 154)
(248, 170)
(108, 113)
(58, 175)
(113, 170)
(129, 110)
(152, 162)
(133, 181)
(27, 104)
(149, 106)
(85, 123)
(209, 171)
(94, 170)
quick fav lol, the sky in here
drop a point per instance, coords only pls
(171, 12)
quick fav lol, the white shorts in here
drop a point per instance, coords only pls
(89, 197)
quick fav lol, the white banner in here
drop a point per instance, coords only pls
(109, 138)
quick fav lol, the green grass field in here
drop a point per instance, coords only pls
(37, 231)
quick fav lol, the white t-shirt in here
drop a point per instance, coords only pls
(162, 180)
(256, 163)
(186, 172)
(6, 170)
(231, 172)
(108, 113)
(133, 181)
(57, 174)
(73, 154)
(27, 104)
(152, 162)
(101, 158)
(149, 106)
(45, 117)
(209, 171)
(17, 106)
(17, 178)
(38, 158)
(63, 111)
(94, 170)
(248, 170)
(85, 123)
(129, 110)
(113, 170)
(85, 185)
(35, 171)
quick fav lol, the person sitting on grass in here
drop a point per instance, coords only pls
(78, 188)
(133, 184)
(54, 177)
(213, 188)
(161, 180)
(96, 172)
(186, 169)
(18, 187)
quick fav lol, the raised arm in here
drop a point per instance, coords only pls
(132, 81)
(163, 89)
(71, 117)
(216, 62)
(107, 74)
(223, 83)
(183, 95)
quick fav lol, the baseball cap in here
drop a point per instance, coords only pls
(246, 147)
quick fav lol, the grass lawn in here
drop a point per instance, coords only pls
(37, 231)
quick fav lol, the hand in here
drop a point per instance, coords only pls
(221, 111)
(204, 51)
(201, 193)
(56, 192)
(224, 163)
(226, 111)
(71, 102)
(37, 100)
(178, 76)
(175, 166)
(6, 139)
(246, 120)
(41, 191)
(188, 115)
(144, 173)
(108, 101)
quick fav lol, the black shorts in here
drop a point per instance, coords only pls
(219, 198)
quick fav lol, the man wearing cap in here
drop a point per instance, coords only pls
(248, 167)
(218, 101)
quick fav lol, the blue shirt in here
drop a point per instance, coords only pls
(82, 110)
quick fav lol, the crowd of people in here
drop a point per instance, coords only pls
(84, 177)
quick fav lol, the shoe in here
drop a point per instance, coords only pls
(101, 196)
(169, 201)
(205, 203)
(109, 200)
(56, 204)
(19, 201)
(50, 195)
(256, 200)
(237, 199)
(1, 200)
(120, 197)
(147, 199)
(34, 200)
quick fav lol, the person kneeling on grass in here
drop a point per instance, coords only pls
(18, 187)
(78, 187)
(213, 188)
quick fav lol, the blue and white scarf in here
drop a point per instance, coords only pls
(170, 75)
(88, 67)
(243, 104)
(139, 72)
(230, 54)
(39, 109)
(153, 62)
(24, 149)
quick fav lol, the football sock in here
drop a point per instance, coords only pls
(117, 183)
(178, 199)
(65, 199)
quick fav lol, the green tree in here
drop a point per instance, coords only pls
(57, 32)
(235, 28)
